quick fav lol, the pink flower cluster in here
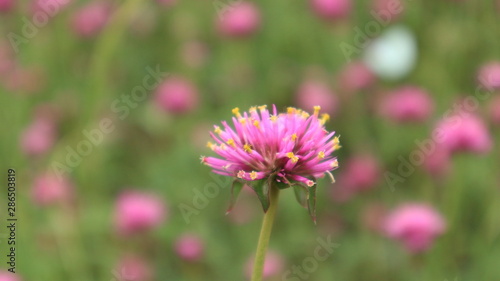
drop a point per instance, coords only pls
(291, 146)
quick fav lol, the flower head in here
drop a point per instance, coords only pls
(271, 148)
(415, 225)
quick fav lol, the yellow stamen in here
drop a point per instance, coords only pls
(236, 111)
(273, 118)
(305, 115)
(336, 143)
(262, 107)
(203, 160)
(217, 130)
(247, 148)
(253, 175)
(324, 118)
(252, 109)
(243, 121)
(292, 157)
(335, 164)
(256, 123)
(321, 155)
(211, 145)
(240, 174)
(294, 137)
(223, 146)
(310, 183)
(317, 108)
(231, 142)
(290, 110)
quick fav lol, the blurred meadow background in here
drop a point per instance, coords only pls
(106, 108)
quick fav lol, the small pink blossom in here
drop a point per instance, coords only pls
(415, 225)
(239, 19)
(494, 109)
(189, 247)
(407, 104)
(177, 95)
(332, 9)
(314, 92)
(489, 75)
(360, 173)
(91, 19)
(9, 276)
(273, 265)
(50, 189)
(6, 5)
(133, 268)
(292, 146)
(138, 211)
(465, 132)
(39, 137)
(356, 76)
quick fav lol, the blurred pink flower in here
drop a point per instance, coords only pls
(50, 189)
(138, 211)
(360, 173)
(356, 76)
(177, 95)
(489, 75)
(415, 225)
(332, 9)
(494, 109)
(189, 247)
(273, 265)
(407, 104)
(166, 3)
(239, 19)
(132, 268)
(438, 162)
(48, 7)
(387, 11)
(8, 276)
(89, 20)
(464, 133)
(6, 6)
(314, 92)
(39, 137)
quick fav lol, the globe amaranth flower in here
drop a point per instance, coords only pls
(267, 149)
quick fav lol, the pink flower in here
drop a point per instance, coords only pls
(273, 265)
(9, 276)
(494, 109)
(286, 147)
(189, 247)
(415, 225)
(239, 19)
(438, 163)
(166, 3)
(177, 95)
(489, 75)
(132, 268)
(387, 11)
(407, 104)
(356, 76)
(360, 173)
(6, 5)
(332, 9)
(49, 189)
(315, 92)
(464, 133)
(137, 211)
(91, 19)
(39, 136)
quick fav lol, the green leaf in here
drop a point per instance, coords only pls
(236, 187)
(282, 185)
(301, 194)
(312, 202)
(262, 188)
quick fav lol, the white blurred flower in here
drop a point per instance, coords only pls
(393, 54)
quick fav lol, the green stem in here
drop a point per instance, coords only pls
(265, 234)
